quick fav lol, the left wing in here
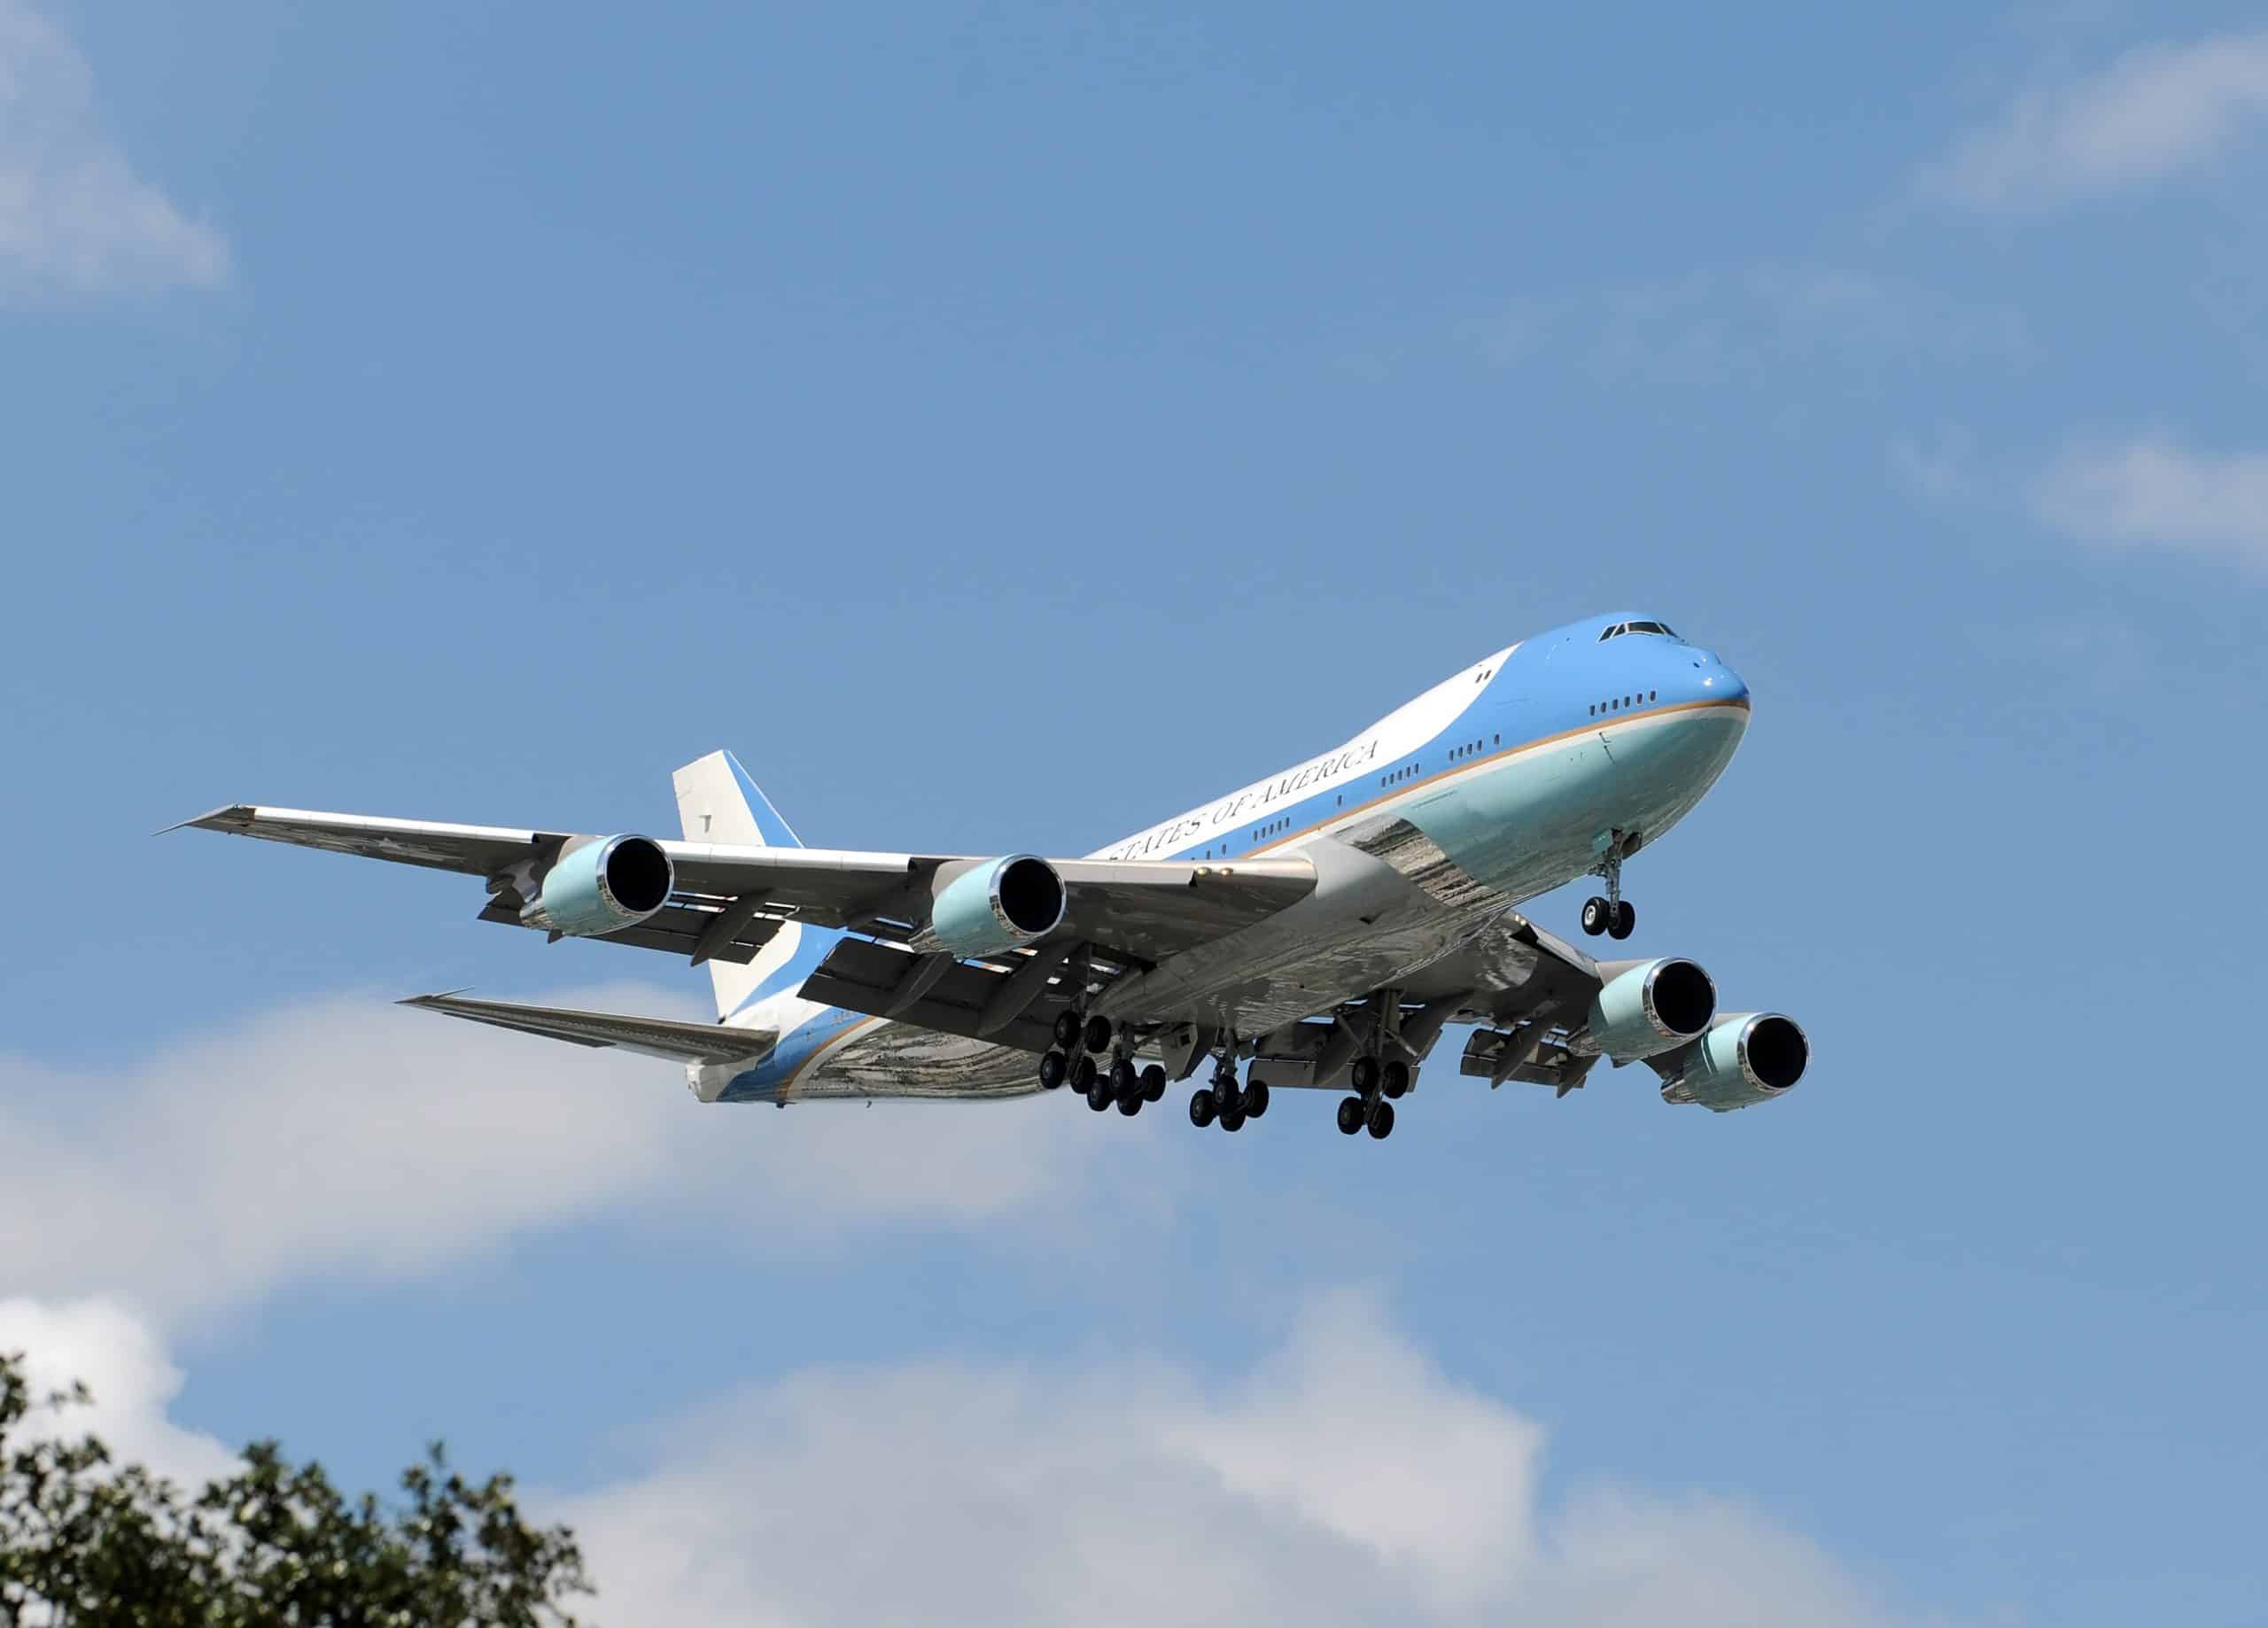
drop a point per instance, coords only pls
(684, 1043)
(725, 902)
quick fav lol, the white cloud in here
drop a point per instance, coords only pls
(1343, 1479)
(353, 1135)
(122, 1362)
(2152, 493)
(2156, 110)
(73, 215)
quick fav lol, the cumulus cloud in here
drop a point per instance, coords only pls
(73, 215)
(353, 1135)
(1343, 1479)
(122, 1362)
(2156, 111)
(2150, 492)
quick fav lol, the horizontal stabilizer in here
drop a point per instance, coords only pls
(684, 1043)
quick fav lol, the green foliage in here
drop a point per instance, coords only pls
(85, 1541)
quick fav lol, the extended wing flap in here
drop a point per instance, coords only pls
(886, 982)
(685, 1042)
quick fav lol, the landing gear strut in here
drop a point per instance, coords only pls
(1224, 1101)
(1612, 914)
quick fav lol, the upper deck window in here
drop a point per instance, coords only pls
(1620, 628)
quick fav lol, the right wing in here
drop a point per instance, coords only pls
(727, 902)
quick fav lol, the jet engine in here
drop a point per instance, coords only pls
(1746, 1059)
(599, 885)
(1650, 1008)
(993, 906)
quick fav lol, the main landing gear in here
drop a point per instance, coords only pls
(1079, 1041)
(1612, 914)
(1378, 1086)
(1226, 1103)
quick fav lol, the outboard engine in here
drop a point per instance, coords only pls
(598, 884)
(1748, 1058)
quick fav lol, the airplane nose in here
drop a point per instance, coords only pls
(1719, 682)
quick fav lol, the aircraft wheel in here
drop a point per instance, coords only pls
(1153, 1083)
(1232, 1119)
(1051, 1070)
(1363, 1075)
(1394, 1079)
(1381, 1121)
(1129, 1101)
(1255, 1099)
(1202, 1107)
(1067, 1028)
(1121, 1077)
(1624, 920)
(1350, 1115)
(1595, 915)
(1098, 1097)
(1082, 1075)
(1098, 1033)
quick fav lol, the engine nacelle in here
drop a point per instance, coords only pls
(600, 885)
(1748, 1058)
(1651, 1008)
(993, 906)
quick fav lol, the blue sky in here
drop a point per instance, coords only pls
(1003, 427)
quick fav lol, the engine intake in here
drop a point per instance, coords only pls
(600, 885)
(1748, 1058)
(1650, 1008)
(993, 906)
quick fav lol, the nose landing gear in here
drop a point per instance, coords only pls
(1612, 914)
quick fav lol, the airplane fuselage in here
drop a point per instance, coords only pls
(1508, 779)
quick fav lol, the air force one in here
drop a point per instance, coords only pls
(1319, 928)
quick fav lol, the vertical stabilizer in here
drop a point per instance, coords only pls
(718, 803)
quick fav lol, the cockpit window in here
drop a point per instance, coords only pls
(1620, 628)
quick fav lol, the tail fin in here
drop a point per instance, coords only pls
(718, 803)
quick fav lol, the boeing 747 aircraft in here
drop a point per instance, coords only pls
(1319, 928)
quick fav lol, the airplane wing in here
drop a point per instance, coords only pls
(685, 1042)
(726, 901)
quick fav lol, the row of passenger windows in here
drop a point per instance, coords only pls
(1458, 752)
(1399, 775)
(1619, 703)
(1272, 828)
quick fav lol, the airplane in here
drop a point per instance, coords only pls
(1319, 928)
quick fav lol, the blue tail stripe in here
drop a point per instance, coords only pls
(774, 830)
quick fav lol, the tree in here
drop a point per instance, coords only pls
(85, 1541)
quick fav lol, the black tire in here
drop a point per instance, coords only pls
(1595, 915)
(1230, 1099)
(1255, 1099)
(1233, 1118)
(1394, 1079)
(1098, 1097)
(1082, 1075)
(1350, 1115)
(1121, 1077)
(1381, 1121)
(1129, 1102)
(1067, 1028)
(1097, 1033)
(1202, 1108)
(1364, 1076)
(1153, 1083)
(1626, 919)
(1051, 1070)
